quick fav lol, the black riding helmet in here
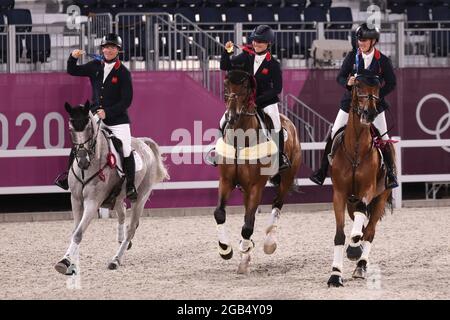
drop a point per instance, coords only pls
(112, 38)
(366, 32)
(263, 33)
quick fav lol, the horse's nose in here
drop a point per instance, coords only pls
(84, 163)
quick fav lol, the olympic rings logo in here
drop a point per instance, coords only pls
(444, 122)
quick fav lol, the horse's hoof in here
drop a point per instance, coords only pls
(130, 245)
(359, 273)
(225, 251)
(113, 265)
(62, 266)
(354, 253)
(243, 265)
(269, 245)
(335, 281)
(360, 270)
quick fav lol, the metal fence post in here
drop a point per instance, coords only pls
(400, 44)
(12, 48)
(397, 192)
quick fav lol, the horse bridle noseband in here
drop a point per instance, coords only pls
(233, 96)
(77, 136)
(364, 110)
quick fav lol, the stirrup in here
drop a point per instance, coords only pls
(210, 159)
(286, 163)
(131, 193)
(391, 182)
(318, 177)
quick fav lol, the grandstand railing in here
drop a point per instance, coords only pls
(311, 127)
(185, 185)
(175, 43)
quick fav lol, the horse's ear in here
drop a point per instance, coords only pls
(68, 107)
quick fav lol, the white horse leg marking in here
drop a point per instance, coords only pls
(270, 242)
(245, 247)
(338, 259)
(120, 232)
(358, 223)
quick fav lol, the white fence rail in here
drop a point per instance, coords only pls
(169, 185)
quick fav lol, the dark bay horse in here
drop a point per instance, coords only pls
(358, 181)
(248, 159)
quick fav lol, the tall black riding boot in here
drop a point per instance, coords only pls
(130, 168)
(62, 180)
(391, 177)
(284, 162)
(319, 176)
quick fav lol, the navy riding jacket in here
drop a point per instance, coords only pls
(381, 65)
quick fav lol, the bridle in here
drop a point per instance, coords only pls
(81, 147)
(244, 110)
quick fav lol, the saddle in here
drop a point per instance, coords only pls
(116, 156)
(339, 138)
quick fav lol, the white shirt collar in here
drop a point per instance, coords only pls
(258, 61)
(107, 69)
(368, 58)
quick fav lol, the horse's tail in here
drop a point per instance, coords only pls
(162, 173)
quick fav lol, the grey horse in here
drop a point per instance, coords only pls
(91, 182)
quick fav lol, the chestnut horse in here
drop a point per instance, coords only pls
(247, 158)
(358, 181)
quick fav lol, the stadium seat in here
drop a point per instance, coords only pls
(301, 4)
(417, 14)
(186, 12)
(2, 22)
(6, 5)
(210, 15)
(339, 14)
(236, 14)
(324, 4)
(216, 3)
(288, 16)
(269, 3)
(314, 14)
(20, 17)
(86, 5)
(167, 3)
(112, 3)
(190, 3)
(441, 14)
(262, 15)
(244, 3)
(139, 3)
(396, 6)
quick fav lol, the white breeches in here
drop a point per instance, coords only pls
(342, 118)
(122, 132)
(271, 110)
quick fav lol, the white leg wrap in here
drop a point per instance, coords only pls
(222, 234)
(338, 260)
(341, 120)
(381, 125)
(120, 232)
(366, 250)
(274, 217)
(72, 251)
(358, 223)
(245, 246)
